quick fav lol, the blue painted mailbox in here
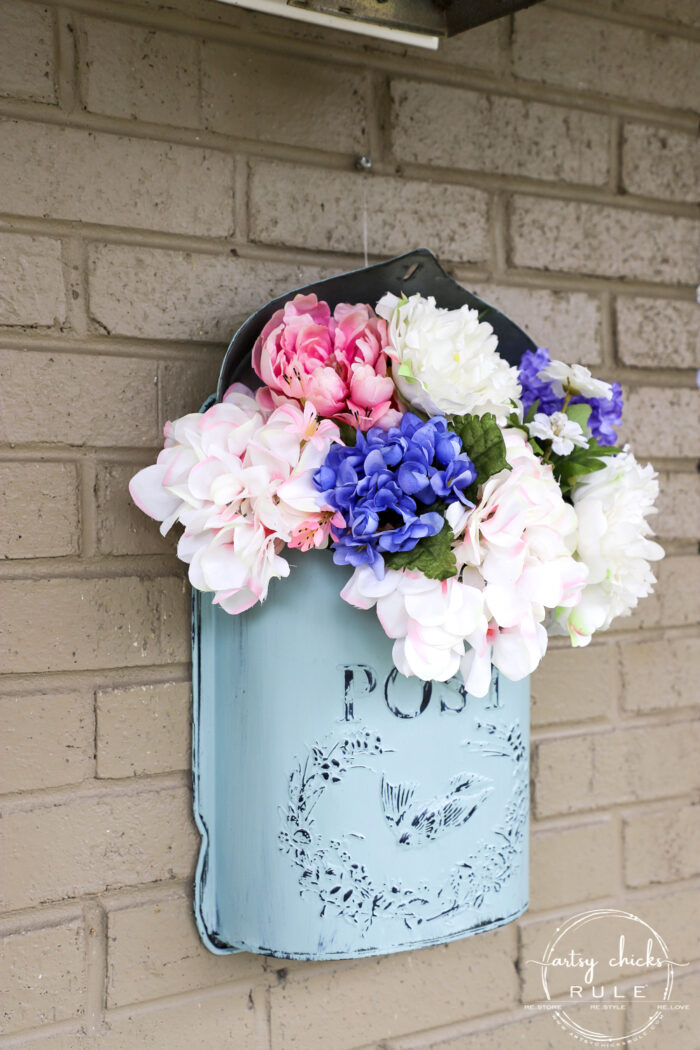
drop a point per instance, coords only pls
(344, 809)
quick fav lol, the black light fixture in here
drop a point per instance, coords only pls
(441, 18)
(421, 23)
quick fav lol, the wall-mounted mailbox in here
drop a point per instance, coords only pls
(345, 809)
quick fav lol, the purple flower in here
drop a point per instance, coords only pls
(379, 484)
(604, 414)
(534, 388)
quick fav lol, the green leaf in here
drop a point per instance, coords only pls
(513, 421)
(483, 442)
(579, 414)
(530, 414)
(568, 469)
(348, 433)
(406, 370)
(433, 556)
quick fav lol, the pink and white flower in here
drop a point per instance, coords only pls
(429, 620)
(238, 477)
(519, 542)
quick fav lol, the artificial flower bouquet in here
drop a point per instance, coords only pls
(480, 507)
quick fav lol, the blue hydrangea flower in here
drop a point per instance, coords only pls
(382, 485)
(605, 415)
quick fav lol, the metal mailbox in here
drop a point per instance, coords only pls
(344, 809)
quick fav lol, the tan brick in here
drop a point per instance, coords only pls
(47, 740)
(313, 208)
(71, 624)
(661, 421)
(31, 280)
(186, 385)
(678, 1028)
(672, 914)
(145, 729)
(683, 11)
(587, 54)
(43, 976)
(573, 864)
(596, 239)
(347, 1007)
(536, 1032)
(660, 333)
(567, 323)
(663, 846)
(51, 527)
(146, 74)
(675, 598)
(657, 162)
(27, 65)
(477, 49)
(575, 685)
(160, 294)
(121, 527)
(165, 931)
(161, 186)
(94, 400)
(583, 772)
(679, 506)
(228, 1019)
(90, 842)
(497, 134)
(660, 675)
(246, 92)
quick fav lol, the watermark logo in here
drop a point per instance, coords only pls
(607, 977)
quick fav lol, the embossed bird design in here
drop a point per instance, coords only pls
(417, 823)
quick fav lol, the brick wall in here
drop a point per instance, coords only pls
(163, 172)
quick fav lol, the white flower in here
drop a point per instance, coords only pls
(563, 432)
(445, 361)
(575, 379)
(430, 620)
(612, 506)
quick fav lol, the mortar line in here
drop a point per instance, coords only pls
(67, 61)
(88, 508)
(500, 226)
(91, 790)
(378, 134)
(96, 935)
(101, 679)
(241, 200)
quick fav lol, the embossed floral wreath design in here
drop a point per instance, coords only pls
(329, 872)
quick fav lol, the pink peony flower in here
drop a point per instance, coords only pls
(337, 362)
